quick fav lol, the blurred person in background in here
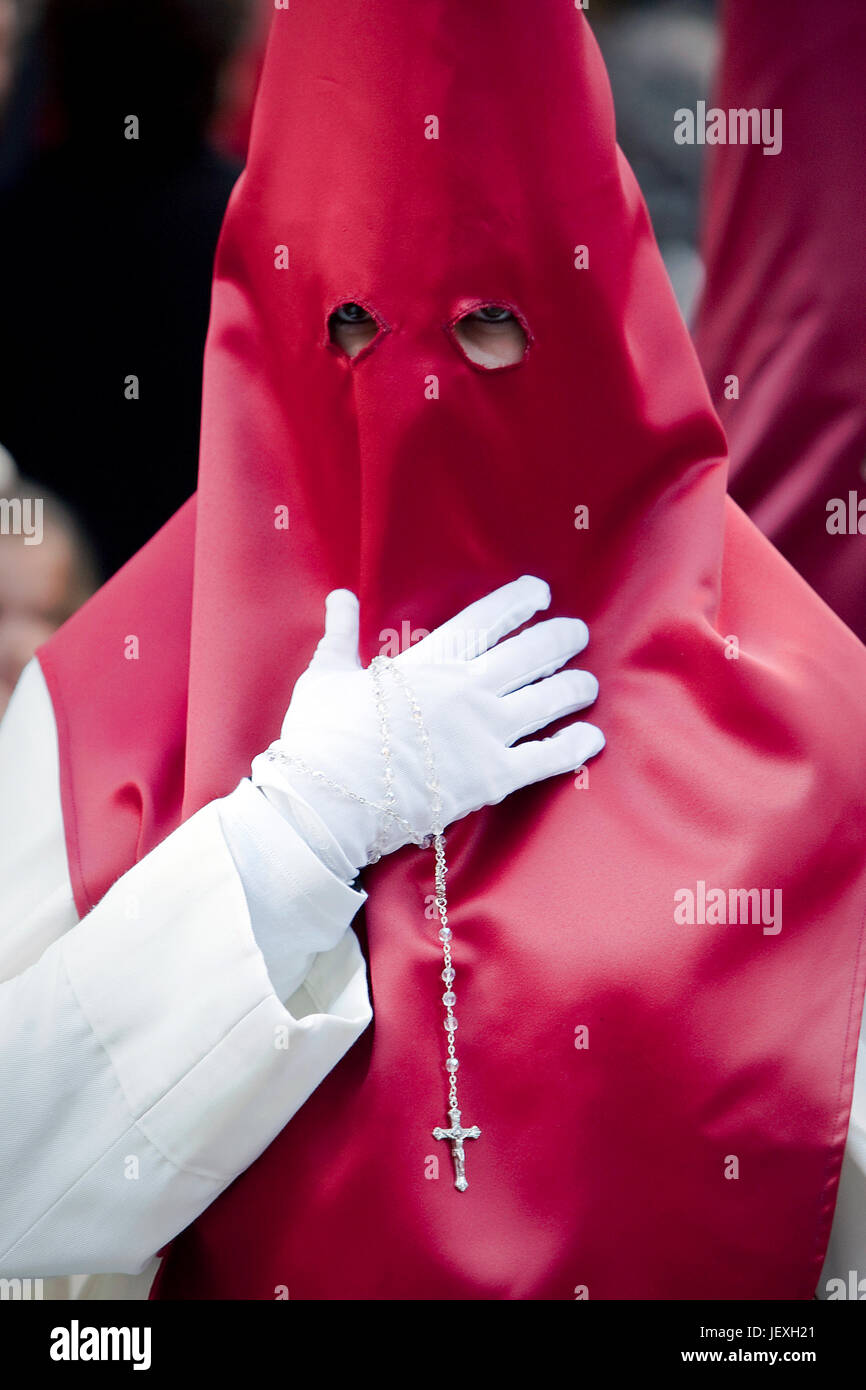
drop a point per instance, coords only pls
(780, 328)
(44, 575)
(106, 251)
(8, 32)
(230, 127)
(20, 85)
(660, 56)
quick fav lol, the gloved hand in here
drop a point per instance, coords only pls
(477, 696)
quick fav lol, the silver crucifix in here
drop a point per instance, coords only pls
(457, 1134)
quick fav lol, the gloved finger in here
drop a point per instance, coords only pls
(536, 652)
(482, 624)
(338, 648)
(548, 757)
(534, 706)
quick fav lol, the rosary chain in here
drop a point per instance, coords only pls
(386, 810)
(277, 755)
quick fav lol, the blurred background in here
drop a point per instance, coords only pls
(106, 256)
(107, 245)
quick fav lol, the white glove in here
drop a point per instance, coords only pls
(477, 698)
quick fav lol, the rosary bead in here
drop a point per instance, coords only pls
(434, 839)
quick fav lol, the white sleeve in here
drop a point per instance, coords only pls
(844, 1272)
(146, 1058)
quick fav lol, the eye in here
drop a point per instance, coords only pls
(492, 313)
(491, 336)
(351, 328)
(351, 313)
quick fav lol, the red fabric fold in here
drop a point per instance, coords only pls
(784, 303)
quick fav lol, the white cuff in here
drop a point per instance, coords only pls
(297, 812)
(297, 906)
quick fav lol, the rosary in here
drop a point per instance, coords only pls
(455, 1133)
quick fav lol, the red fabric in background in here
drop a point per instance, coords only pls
(784, 305)
(602, 1167)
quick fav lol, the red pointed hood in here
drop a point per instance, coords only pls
(410, 475)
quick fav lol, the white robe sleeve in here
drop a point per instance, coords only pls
(146, 1058)
(844, 1272)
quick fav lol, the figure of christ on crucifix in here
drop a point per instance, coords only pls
(457, 1134)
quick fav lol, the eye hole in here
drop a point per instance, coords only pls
(491, 336)
(352, 328)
